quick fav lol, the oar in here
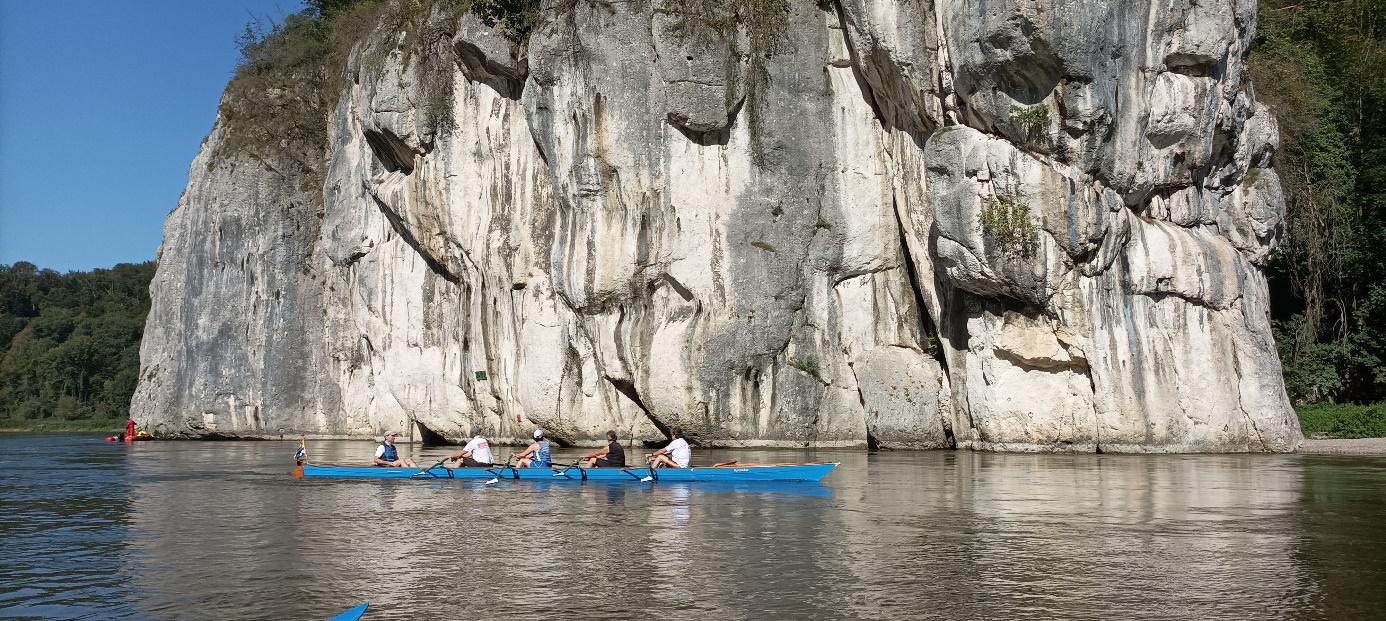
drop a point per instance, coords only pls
(496, 478)
(651, 476)
(426, 470)
(564, 469)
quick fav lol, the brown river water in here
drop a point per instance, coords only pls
(220, 530)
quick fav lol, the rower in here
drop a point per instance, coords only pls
(386, 455)
(476, 454)
(613, 455)
(675, 455)
(536, 455)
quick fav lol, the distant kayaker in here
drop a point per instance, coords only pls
(536, 455)
(676, 455)
(386, 455)
(130, 428)
(476, 454)
(613, 455)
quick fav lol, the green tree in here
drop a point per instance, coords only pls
(69, 343)
(1319, 65)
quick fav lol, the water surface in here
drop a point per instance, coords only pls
(219, 530)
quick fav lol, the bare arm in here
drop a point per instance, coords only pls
(527, 452)
(601, 452)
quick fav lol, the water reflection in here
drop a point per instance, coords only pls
(219, 530)
(1342, 535)
(1188, 535)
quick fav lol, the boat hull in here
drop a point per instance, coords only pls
(353, 614)
(779, 472)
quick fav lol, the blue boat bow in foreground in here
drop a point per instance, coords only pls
(747, 472)
(354, 614)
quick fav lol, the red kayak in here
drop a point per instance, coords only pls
(139, 437)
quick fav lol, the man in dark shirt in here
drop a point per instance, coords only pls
(613, 455)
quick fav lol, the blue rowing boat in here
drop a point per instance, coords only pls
(354, 614)
(731, 473)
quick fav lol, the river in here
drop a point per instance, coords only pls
(220, 530)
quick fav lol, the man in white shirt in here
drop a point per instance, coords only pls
(676, 455)
(476, 454)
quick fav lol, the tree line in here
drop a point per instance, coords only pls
(70, 343)
(1321, 66)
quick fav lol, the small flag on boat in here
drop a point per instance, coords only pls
(301, 455)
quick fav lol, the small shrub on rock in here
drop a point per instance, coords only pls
(1033, 120)
(807, 365)
(1006, 224)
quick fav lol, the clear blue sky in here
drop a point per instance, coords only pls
(102, 107)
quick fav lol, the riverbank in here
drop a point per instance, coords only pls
(61, 426)
(1354, 446)
(1342, 420)
(1325, 419)
(1325, 446)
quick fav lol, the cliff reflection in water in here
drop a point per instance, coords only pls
(1342, 537)
(222, 530)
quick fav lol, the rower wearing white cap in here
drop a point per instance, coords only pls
(536, 455)
(386, 455)
(477, 453)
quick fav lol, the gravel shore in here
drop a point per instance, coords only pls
(1363, 446)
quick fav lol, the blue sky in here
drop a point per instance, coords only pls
(102, 107)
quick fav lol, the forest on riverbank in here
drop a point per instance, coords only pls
(69, 343)
(1321, 66)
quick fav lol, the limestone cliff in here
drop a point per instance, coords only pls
(996, 225)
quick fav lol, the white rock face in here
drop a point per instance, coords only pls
(913, 226)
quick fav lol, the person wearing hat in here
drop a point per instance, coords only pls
(386, 455)
(536, 455)
(477, 453)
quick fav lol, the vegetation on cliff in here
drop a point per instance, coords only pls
(1319, 65)
(763, 24)
(278, 104)
(1007, 225)
(70, 343)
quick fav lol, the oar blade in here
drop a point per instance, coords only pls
(497, 473)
